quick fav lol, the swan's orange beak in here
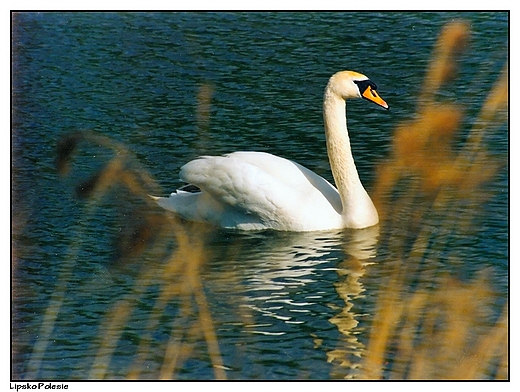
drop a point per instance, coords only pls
(373, 96)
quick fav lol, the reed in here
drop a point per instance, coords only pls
(431, 334)
(147, 234)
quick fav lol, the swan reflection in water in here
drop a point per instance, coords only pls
(291, 279)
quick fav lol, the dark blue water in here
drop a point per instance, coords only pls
(276, 298)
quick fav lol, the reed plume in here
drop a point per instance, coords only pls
(430, 334)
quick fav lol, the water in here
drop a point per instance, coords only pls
(284, 305)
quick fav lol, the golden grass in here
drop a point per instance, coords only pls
(430, 334)
(147, 234)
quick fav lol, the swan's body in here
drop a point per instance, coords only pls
(256, 190)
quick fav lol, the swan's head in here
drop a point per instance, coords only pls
(350, 84)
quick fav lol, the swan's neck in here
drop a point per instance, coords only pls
(357, 207)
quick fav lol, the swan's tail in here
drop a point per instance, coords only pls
(165, 202)
(179, 202)
(155, 198)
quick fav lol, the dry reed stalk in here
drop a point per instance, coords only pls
(451, 42)
(204, 98)
(432, 334)
(405, 337)
(111, 334)
(432, 331)
(387, 313)
(55, 304)
(179, 277)
(491, 346)
(494, 105)
(182, 281)
(208, 329)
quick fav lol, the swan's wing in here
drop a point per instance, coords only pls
(291, 174)
(238, 185)
(275, 191)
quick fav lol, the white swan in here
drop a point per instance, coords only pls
(257, 190)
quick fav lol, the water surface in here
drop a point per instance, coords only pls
(284, 305)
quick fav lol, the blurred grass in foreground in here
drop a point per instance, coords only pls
(429, 334)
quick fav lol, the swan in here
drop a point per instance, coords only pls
(257, 190)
